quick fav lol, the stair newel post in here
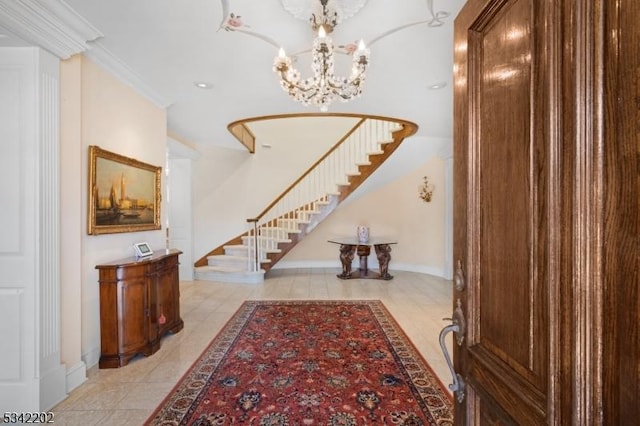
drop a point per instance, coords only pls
(252, 241)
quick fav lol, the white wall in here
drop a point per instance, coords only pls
(116, 118)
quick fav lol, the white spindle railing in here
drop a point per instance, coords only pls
(314, 189)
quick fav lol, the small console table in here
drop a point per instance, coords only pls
(139, 303)
(350, 246)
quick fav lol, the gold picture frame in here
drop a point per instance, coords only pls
(124, 194)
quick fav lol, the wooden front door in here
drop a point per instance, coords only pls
(546, 211)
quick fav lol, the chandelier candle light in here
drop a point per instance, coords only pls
(324, 86)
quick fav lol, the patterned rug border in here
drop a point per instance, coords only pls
(225, 338)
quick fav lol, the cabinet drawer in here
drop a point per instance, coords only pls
(168, 262)
(131, 272)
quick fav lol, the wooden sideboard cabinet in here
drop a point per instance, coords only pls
(139, 303)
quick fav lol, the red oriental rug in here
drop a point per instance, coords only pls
(308, 363)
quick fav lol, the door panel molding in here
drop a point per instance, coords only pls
(619, 76)
(583, 220)
(506, 388)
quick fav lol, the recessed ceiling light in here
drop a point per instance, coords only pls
(266, 145)
(203, 85)
(438, 85)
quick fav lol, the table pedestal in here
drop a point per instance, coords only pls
(363, 252)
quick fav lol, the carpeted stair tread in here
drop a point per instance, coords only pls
(236, 246)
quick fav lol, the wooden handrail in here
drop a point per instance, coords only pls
(309, 170)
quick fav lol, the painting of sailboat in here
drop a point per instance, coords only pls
(124, 193)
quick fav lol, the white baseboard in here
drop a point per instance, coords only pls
(422, 269)
(91, 358)
(76, 376)
(52, 387)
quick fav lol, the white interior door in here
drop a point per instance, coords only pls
(32, 377)
(179, 204)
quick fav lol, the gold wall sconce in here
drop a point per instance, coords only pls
(426, 190)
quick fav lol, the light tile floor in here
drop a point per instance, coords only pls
(128, 395)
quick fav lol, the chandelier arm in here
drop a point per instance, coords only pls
(293, 85)
(335, 88)
(345, 96)
(351, 81)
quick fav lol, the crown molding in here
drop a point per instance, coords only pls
(54, 26)
(111, 63)
(50, 24)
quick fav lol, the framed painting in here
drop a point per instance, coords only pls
(124, 193)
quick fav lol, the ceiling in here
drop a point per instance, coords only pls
(171, 44)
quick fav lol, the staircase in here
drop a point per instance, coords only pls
(306, 203)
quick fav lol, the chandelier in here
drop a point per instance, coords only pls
(324, 86)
